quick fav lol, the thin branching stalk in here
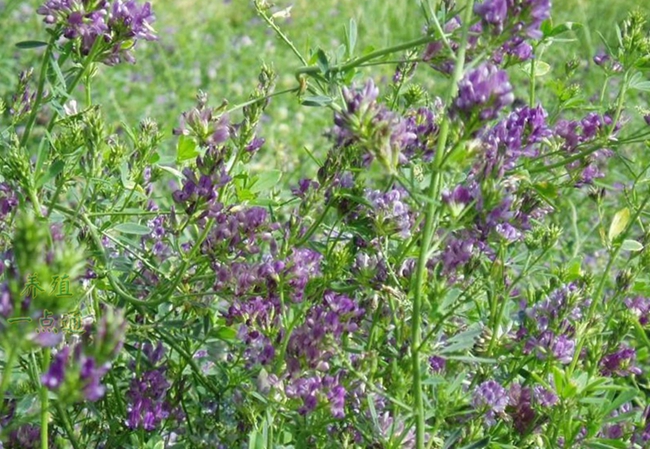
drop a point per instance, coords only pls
(430, 212)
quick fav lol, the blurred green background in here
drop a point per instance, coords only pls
(218, 46)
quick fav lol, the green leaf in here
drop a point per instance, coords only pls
(563, 28)
(351, 38)
(224, 333)
(54, 65)
(316, 101)
(541, 68)
(607, 444)
(462, 341)
(124, 176)
(266, 181)
(638, 83)
(186, 149)
(171, 170)
(256, 440)
(619, 223)
(132, 228)
(55, 169)
(470, 359)
(478, 444)
(321, 60)
(31, 44)
(621, 399)
(449, 442)
(547, 27)
(631, 245)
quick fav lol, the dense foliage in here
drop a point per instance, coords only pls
(459, 272)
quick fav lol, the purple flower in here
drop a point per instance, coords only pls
(325, 325)
(491, 398)
(493, 12)
(6, 302)
(389, 213)
(457, 252)
(55, 375)
(437, 364)
(8, 200)
(91, 376)
(27, 436)
(544, 397)
(379, 131)
(520, 407)
(119, 25)
(640, 307)
(601, 58)
(149, 402)
(620, 362)
(485, 90)
(563, 349)
(336, 397)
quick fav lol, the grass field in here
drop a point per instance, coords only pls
(218, 47)
(442, 256)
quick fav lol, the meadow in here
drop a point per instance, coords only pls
(333, 224)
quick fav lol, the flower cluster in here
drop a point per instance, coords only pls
(491, 399)
(484, 91)
(576, 136)
(109, 29)
(551, 324)
(148, 395)
(620, 362)
(519, 20)
(312, 344)
(372, 126)
(81, 367)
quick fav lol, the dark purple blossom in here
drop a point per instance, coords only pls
(437, 364)
(314, 342)
(422, 124)
(8, 200)
(458, 251)
(485, 91)
(149, 400)
(382, 133)
(519, 135)
(55, 375)
(117, 25)
(520, 407)
(620, 363)
(27, 436)
(601, 58)
(91, 375)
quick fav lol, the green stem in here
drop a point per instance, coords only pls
(313, 70)
(63, 413)
(45, 415)
(279, 32)
(598, 294)
(6, 376)
(430, 212)
(314, 226)
(619, 105)
(39, 92)
(532, 82)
